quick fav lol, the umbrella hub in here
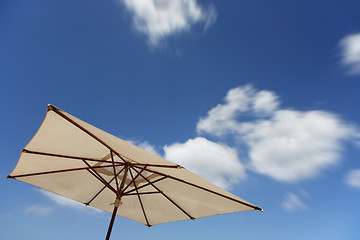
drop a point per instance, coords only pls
(117, 202)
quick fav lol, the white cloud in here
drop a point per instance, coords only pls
(66, 201)
(40, 210)
(352, 178)
(294, 145)
(287, 145)
(223, 118)
(215, 162)
(350, 47)
(293, 202)
(159, 19)
(265, 102)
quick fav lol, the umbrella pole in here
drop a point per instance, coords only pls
(116, 206)
(111, 223)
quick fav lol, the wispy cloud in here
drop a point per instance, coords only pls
(350, 52)
(293, 202)
(287, 145)
(40, 210)
(145, 145)
(67, 202)
(159, 19)
(215, 162)
(352, 178)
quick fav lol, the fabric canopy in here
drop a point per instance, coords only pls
(74, 159)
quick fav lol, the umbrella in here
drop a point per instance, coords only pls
(74, 159)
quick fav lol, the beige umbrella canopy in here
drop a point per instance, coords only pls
(74, 159)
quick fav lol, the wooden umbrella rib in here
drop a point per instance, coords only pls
(133, 179)
(58, 111)
(139, 198)
(205, 189)
(156, 165)
(92, 172)
(123, 180)
(145, 185)
(119, 155)
(98, 176)
(98, 160)
(102, 189)
(58, 171)
(167, 197)
(112, 159)
(96, 195)
(67, 156)
(139, 193)
(148, 164)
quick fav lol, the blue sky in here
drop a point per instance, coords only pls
(259, 97)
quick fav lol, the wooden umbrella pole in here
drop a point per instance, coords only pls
(117, 202)
(116, 206)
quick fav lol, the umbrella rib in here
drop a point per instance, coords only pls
(67, 156)
(98, 160)
(102, 189)
(133, 179)
(58, 111)
(100, 178)
(139, 193)
(96, 175)
(141, 204)
(57, 171)
(112, 159)
(205, 189)
(123, 180)
(119, 155)
(145, 185)
(156, 165)
(97, 194)
(167, 197)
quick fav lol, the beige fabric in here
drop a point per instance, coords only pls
(58, 135)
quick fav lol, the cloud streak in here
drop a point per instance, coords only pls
(67, 202)
(40, 210)
(293, 202)
(159, 19)
(352, 178)
(350, 52)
